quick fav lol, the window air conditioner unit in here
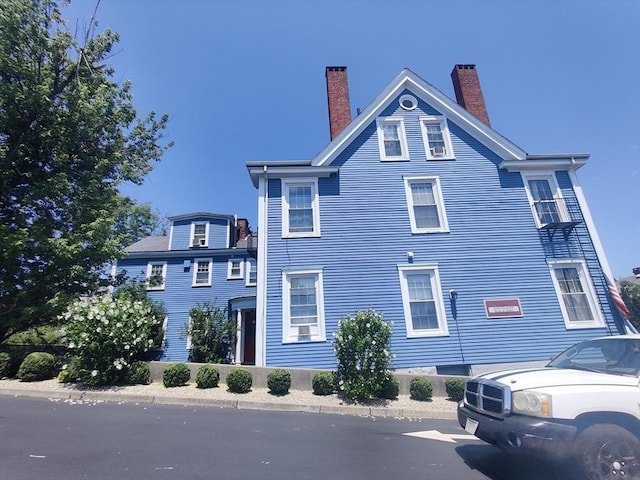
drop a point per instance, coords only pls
(304, 330)
(437, 151)
(203, 242)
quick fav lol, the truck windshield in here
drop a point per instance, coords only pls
(618, 356)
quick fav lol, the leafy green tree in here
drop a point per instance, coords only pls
(212, 334)
(69, 137)
(630, 293)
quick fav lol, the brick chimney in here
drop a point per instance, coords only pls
(468, 92)
(242, 228)
(338, 99)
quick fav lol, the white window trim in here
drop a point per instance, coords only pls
(315, 207)
(442, 213)
(380, 121)
(189, 335)
(444, 127)
(290, 333)
(195, 272)
(206, 234)
(164, 276)
(165, 325)
(550, 176)
(248, 264)
(443, 328)
(589, 290)
(230, 275)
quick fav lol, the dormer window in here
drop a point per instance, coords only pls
(392, 139)
(437, 141)
(199, 234)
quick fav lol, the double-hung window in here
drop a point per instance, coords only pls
(202, 272)
(425, 204)
(436, 138)
(303, 306)
(156, 275)
(424, 312)
(300, 208)
(234, 269)
(575, 293)
(546, 200)
(252, 272)
(199, 234)
(392, 139)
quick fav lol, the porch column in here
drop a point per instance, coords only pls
(238, 359)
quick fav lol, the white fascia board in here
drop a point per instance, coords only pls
(290, 172)
(434, 97)
(551, 162)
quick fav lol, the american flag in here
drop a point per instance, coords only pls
(617, 299)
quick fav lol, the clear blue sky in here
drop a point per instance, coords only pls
(244, 80)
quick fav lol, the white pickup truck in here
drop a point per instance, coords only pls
(582, 409)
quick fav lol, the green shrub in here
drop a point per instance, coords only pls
(5, 365)
(36, 366)
(138, 373)
(390, 387)
(212, 334)
(361, 348)
(421, 388)
(455, 388)
(239, 380)
(323, 383)
(279, 381)
(207, 376)
(175, 375)
(66, 376)
(109, 332)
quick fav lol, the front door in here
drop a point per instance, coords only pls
(249, 330)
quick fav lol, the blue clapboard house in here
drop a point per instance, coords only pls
(477, 251)
(206, 257)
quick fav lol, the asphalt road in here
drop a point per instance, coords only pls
(47, 439)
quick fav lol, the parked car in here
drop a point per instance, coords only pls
(582, 409)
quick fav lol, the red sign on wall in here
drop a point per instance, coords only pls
(502, 307)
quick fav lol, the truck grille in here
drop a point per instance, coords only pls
(487, 397)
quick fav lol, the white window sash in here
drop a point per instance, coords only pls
(150, 268)
(405, 270)
(381, 122)
(303, 332)
(441, 149)
(438, 204)
(235, 272)
(199, 273)
(312, 183)
(199, 239)
(587, 294)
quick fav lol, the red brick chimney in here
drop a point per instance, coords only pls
(468, 92)
(338, 99)
(242, 228)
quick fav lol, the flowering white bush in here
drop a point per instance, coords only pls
(361, 346)
(108, 332)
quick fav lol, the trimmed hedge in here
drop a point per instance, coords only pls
(36, 366)
(279, 381)
(5, 365)
(323, 383)
(207, 376)
(139, 373)
(421, 388)
(455, 388)
(239, 380)
(176, 375)
(390, 387)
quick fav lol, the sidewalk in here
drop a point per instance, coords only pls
(256, 399)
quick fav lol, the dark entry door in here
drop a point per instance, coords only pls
(249, 346)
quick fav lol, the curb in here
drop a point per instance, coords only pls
(355, 410)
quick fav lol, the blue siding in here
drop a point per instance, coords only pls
(493, 250)
(179, 296)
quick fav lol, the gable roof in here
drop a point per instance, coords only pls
(187, 216)
(432, 96)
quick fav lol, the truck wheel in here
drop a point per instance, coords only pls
(603, 452)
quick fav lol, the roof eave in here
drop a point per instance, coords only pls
(551, 161)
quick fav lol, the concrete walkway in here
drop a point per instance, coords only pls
(257, 399)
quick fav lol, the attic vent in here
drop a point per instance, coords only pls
(408, 102)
